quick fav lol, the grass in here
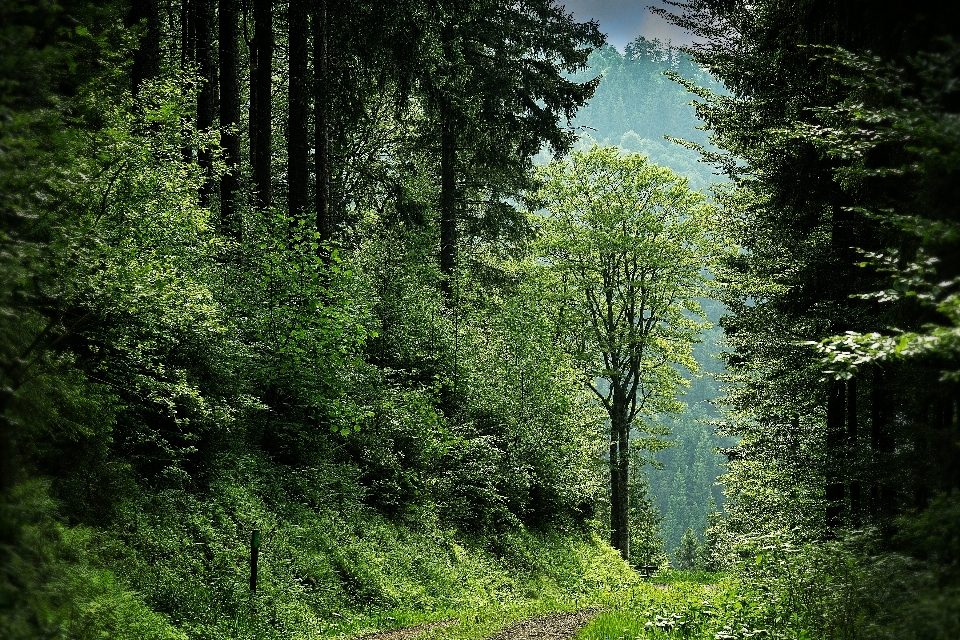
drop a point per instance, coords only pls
(675, 604)
(177, 570)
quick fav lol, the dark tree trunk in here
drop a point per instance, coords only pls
(146, 59)
(881, 444)
(448, 205)
(230, 116)
(207, 98)
(261, 101)
(614, 488)
(835, 458)
(188, 52)
(853, 452)
(321, 130)
(619, 476)
(252, 111)
(299, 96)
(188, 37)
(8, 457)
(623, 505)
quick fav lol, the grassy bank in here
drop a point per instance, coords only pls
(174, 564)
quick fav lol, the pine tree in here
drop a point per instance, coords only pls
(687, 553)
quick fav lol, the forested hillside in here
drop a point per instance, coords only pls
(839, 136)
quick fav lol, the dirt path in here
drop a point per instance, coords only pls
(557, 626)
(408, 633)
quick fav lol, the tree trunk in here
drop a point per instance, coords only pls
(853, 457)
(299, 109)
(448, 205)
(619, 476)
(144, 14)
(623, 506)
(206, 99)
(835, 458)
(321, 131)
(261, 101)
(188, 55)
(230, 117)
(8, 457)
(614, 488)
(881, 443)
(188, 35)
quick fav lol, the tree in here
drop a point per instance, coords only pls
(206, 98)
(688, 552)
(298, 143)
(499, 93)
(625, 243)
(229, 17)
(146, 60)
(832, 136)
(261, 101)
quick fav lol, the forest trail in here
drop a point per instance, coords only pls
(408, 633)
(555, 626)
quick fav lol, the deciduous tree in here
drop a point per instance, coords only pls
(624, 242)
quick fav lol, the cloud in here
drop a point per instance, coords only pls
(624, 20)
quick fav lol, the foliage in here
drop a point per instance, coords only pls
(180, 369)
(687, 552)
(684, 608)
(634, 107)
(838, 136)
(623, 244)
(887, 110)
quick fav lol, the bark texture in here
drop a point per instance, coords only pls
(261, 101)
(230, 116)
(207, 97)
(321, 132)
(299, 108)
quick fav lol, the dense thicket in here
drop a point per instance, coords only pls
(839, 134)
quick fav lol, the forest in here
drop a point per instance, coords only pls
(450, 320)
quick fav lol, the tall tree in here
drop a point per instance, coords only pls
(823, 194)
(207, 97)
(625, 241)
(145, 15)
(261, 102)
(499, 93)
(298, 142)
(321, 129)
(229, 19)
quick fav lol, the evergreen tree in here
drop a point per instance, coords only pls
(687, 552)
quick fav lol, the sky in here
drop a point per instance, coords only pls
(624, 20)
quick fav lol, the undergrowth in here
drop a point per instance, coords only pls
(175, 566)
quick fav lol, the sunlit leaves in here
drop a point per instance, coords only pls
(624, 243)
